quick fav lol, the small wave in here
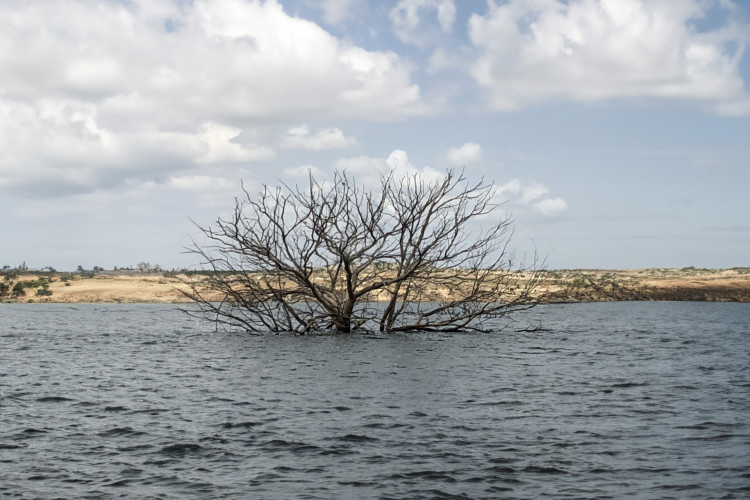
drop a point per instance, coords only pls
(442, 495)
(336, 450)
(679, 487)
(380, 425)
(115, 408)
(537, 469)
(214, 439)
(464, 442)
(565, 445)
(716, 437)
(474, 479)
(376, 459)
(32, 431)
(358, 484)
(284, 468)
(87, 404)
(121, 431)
(53, 399)
(499, 403)
(708, 425)
(76, 480)
(4, 446)
(149, 411)
(137, 447)
(649, 470)
(17, 395)
(131, 472)
(501, 469)
(283, 445)
(245, 425)
(431, 475)
(119, 483)
(181, 450)
(355, 438)
(498, 489)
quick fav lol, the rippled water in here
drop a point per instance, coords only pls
(637, 400)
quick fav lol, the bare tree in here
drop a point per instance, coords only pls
(338, 256)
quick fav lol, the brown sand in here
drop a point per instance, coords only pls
(712, 285)
(112, 288)
(727, 285)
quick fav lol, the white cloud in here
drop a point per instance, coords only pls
(589, 50)
(56, 148)
(532, 192)
(449, 59)
(407, 19)
(399, 164)
(133, 197)
(529, 196)
(335, 11)
(399, 160)
(446, 12)
(221, 147)
(510, 187)
(303, 171)
(199, 183)
(94, 94)
(515, 195)
(360, 164)
(300, 137)
(468, 154)
(551, 207)
(228, 59)
(367, 170)
(210, 191)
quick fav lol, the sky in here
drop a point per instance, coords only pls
(616, 132)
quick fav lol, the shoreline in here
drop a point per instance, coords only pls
(559, 286)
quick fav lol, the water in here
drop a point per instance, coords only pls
(636, 400)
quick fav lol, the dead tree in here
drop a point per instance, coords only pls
(409, 255)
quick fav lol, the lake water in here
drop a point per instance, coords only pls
(615, 400)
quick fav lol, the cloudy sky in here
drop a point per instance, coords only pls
(617, 131)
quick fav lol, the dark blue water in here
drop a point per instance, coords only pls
(616, 400)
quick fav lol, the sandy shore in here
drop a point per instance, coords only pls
(711, 285)
(726, 285)
(111, 288)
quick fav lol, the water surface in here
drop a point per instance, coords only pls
(637, 400)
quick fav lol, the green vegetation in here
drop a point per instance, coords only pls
(12, 287)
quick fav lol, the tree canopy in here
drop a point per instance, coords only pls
(411, 254)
